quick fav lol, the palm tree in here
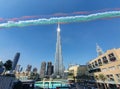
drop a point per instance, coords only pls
(74, 77)
(97, 78)
(103, 78)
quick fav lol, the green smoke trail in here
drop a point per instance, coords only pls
(66, 19)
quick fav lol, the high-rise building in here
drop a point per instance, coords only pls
(49, 68)
(29, 67)
(58, 67)
(17, 69)
(1, 67)
(43, 70)
(52, 69)
(1, 63)
(35, 70)
(21, 69)
(15, 61)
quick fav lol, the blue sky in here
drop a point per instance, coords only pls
(37, 43)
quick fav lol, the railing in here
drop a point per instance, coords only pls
(111, 82)
(107, 81)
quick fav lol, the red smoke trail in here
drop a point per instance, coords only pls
(57, 15)
(1, 19)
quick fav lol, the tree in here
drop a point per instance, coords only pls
(70, 74)
(8, 65)
(97, 78)
(103, 78)
(1, 64)
(34, 76)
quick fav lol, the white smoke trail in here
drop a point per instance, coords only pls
(66, 19)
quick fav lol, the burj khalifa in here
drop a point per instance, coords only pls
(59, 68)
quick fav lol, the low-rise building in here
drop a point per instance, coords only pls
(76, 71)
(108, 65)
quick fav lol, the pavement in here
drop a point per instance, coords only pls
(78, 86)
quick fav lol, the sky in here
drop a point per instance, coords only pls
(38, 43)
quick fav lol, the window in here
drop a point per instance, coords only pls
(118, 66)
(99, 62)
(118, 75)
(96, 63)
(112, 68)
(105, 59)
(104, 69)
(108, 76)
(95, 70)
(89, 66)
(112, 57)
(111, 79)
(93, 65)
(111, 75)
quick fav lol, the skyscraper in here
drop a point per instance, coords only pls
(35, 70)
(49, 68)
(29, 67)
(58, 67)
(15, 61)
(43, 70)
(17, 69)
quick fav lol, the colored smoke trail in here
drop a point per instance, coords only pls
(65, 19)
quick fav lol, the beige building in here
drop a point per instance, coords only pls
(107, 64)
(22, 75)
(76, 70)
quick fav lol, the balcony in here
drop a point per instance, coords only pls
(90, 67)
(111, 82)
(105, 61)
(94, 70)
(96, 64)
(100, 64)
(112, 58)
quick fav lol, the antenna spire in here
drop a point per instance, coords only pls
(58, 29)
(99, 50)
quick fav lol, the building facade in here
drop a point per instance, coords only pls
(107, 64)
